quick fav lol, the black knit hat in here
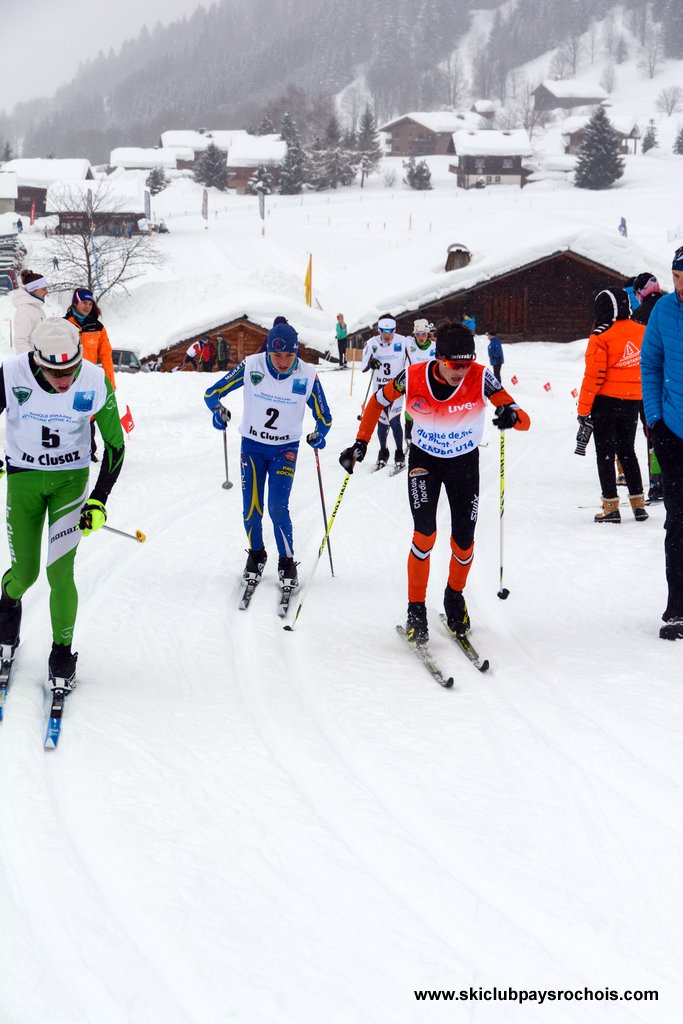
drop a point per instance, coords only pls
(455, 341)
(610, 305)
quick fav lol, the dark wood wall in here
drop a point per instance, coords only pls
(551, 300)
(243, 337)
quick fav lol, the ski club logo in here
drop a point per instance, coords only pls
(83, 401)
(22, 394)
(299, 386)
(255, 377)
(418, 472)
(290, 456)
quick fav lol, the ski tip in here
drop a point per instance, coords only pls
(290, 629)
(448, 685)
(484, 667)
(504, 594)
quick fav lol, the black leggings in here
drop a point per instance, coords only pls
(460, 478)
(615, 421)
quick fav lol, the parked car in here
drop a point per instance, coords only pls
(6, 284)
(127, 361)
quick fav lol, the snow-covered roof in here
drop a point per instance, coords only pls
(40, 172)
(8, 185)
(567, 88)
(514, 142)
(575, 123)
(484, 107)
(135, 156)
(199, 142)
(116, 196)
(252, 150)
(439, 121)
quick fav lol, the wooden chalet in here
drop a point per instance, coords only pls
(35, 175)
(565, 94)
(549, 299)
(490, 157)
(426, 133)
(242, 335)
(574, 131)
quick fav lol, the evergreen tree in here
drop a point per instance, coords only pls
(333, 131)
(678, 144)
(156, 181)
(649, 138)
(261, 181)
(289, 131)
(211, 169)
(293, 170)
(368, 144)
(264, 127)
(329, 168)
(418, 175)
(7, 153)
(599, 162)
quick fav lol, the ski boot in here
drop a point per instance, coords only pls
(61, 667)
(610, 512)
(655, 492)
(286, 570)
(417, 631)
(457, 616)
(672, 628)
(382, 458)
(256, 563)
(638, 505)
(10, 622)
(399, 460)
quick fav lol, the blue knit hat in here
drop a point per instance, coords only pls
(282, 338)
(83, 295)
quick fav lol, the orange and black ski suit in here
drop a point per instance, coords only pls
(448, 424)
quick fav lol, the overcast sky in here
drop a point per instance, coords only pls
(43, 42)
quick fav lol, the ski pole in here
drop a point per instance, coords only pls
(290, 628)
(322, 502)
(365, 400)
(226, 483)
(503, 593)
(139, 536)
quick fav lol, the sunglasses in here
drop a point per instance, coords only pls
(455, 364)
(67, 372)
(421, 334)
(386, 330)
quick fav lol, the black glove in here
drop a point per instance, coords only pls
(583, 435)
(350, 456)
(505, 417)
(375, 363)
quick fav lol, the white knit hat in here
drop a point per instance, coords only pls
(421, 325)
(56, 344)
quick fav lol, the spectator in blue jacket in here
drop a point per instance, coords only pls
(469, 320)
(496, 357)
(661, 361)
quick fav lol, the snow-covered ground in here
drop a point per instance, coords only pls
(244, 824)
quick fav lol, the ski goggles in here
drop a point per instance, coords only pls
(421, 334)
(454, 364)
(386, 331)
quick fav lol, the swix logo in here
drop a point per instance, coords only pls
(475, 509)
(465, 407)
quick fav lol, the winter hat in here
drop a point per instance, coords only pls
(56, 344)
(421, 325)
(611, 304)
(454, 341)
(282, 338)
(279, 320)
(386, 323)
(677, 263)
(33, 286)
(83, 295)
(645, 284)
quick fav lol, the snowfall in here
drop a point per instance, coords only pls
(252, 825)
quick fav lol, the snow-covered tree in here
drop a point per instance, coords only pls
(261, 181)
(678, 144)
(156, 181)
(418, 175)
(599, 162)
(368, 144)
(650, 137)
(264, 127)
(211, 168)
(670, 100)
(292, 172)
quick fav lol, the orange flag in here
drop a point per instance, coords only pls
(127, 420)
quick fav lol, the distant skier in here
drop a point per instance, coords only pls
(278, 386)
(623, 231)
(447, 399)
(49, 395)
(385, 355)
(420, 348)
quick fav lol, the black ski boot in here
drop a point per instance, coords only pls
(256, 563)
(286, 570)
(10, 623)
(399, 459)
(672, 628)
(382, 458)
(457, 616)
(62, 667)
(417, 630)
(655, 492)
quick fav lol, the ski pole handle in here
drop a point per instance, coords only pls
(139, 536)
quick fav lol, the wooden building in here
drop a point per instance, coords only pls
(566, 94)
(242, 335)
(36, 174)
(574, 130)
(549, 299)
(490, 157)
(249, 152)
(426, 133)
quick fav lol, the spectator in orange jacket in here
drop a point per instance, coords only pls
(610, 399)
(85, 313)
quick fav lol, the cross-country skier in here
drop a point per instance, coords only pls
(278, 386)
(49, 395)
(447, 399)
(385, 355)
(420, 348)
